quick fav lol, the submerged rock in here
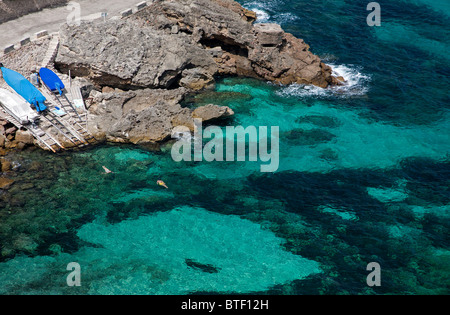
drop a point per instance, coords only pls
(25, 243)
(201, 267)
(309, 137)
(211, 112)
(5, 165)
(318, 120)
(6, 183)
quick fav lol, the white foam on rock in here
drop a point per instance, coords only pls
(356, 83)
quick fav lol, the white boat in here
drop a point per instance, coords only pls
(16, 106)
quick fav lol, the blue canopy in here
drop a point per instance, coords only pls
(24, 88)
(51, 80)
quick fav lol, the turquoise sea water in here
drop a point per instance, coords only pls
(363, 177)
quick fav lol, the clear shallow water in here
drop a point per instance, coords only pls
(364, 176)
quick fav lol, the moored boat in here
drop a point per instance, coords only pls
(51, 80)
(24, 88)
(17, 107)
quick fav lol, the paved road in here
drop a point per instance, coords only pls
(50, 19)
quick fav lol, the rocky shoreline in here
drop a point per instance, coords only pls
(135, 72)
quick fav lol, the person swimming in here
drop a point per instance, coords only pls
(107, 171)
(161, 183)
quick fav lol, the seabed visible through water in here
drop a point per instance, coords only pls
(363, 177)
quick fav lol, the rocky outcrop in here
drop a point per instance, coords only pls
(143, 116)
(212, 112)
(135, 72)
(186, 43)
(11, 138)
(169, 49)
(5, 183)
(238, 46)
(128, 55)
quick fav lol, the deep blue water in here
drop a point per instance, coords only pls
(364, 177)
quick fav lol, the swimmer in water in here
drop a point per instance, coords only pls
(107, 171)
(161, 183)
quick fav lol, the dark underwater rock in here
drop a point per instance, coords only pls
(320, 121)
(6, 183)
(309, 137)
(202, 267)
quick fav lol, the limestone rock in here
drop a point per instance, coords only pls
(5, 183)
(147, 63)
(261, 50)
(5, 165)
(196, 79)
(10, 131)
(2, 140)
(142, 116)
(10, 10)
(127, 54)
(211, 112)
(186, 43)
(269, 34)
(24, 137)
